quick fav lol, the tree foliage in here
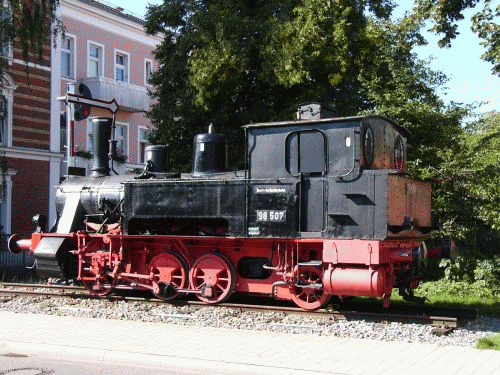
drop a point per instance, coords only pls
(483, 148)
(231, 63)
(485, 24)
(444, 15)
(29, 22)
(466, 194)
(403, 88)
(234, 62)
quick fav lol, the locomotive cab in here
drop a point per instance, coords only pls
(333, 177)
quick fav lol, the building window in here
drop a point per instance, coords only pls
(6, 101)
(8, 87)
(6, 50)
(68, 57)
(121, 140)
(121, 136)
(121, 66)
(90, 137)
(5, 16)
(62, 130)
(3, 121)
(148, 71)
(6, 201)
(143, 142)
(95, 60)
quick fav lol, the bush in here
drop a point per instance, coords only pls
(430, 270)
(488, 271)
(459, 292)
(484, 272)
(458, 269)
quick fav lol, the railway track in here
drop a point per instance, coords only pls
(41, 290)
(443, 319)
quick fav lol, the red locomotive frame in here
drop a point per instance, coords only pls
(305, 271)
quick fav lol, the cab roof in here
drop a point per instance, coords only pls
(405, 132)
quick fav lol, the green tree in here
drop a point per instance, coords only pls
(444, 15)
(483, 147)
(403, 88)
(31, 23)
(234, 62)
(466, 196)
(485, 25)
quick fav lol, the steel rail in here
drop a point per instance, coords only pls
(327, 315)
(45, 286)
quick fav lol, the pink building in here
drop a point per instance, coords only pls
(106, 49)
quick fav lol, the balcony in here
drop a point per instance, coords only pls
(130, 98)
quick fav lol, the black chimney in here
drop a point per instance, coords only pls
(101, 130)
(209, 153)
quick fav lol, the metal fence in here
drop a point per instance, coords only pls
(15, 267)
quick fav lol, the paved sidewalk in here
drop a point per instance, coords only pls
(235, 351)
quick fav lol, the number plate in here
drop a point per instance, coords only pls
(271, 215)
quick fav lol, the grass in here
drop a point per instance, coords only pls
(450, 294)
(489, 342)
(476, 295)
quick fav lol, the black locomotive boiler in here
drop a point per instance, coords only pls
(324, 208)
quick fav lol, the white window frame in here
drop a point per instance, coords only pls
(4, 122)
(6, 50)
(100, 60)
(8, 87)
(126, 136)
(146, 78)
(139, 142)
(126, 67)
(72, 54)
(6, 202)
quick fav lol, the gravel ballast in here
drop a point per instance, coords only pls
(233, 318)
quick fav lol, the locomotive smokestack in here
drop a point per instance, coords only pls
(209, 153)
(101, 129)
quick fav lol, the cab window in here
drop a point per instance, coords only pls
(306, 152)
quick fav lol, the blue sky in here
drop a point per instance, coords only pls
(470, 78)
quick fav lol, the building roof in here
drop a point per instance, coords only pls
(116, 10)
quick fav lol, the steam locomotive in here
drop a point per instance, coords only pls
(323, 208)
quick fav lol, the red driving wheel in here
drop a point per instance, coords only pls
(306, 294)
(169, 272)
(213, 275)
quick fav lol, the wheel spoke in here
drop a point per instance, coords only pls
(309, 298)
(169, 269)
(216, 271)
